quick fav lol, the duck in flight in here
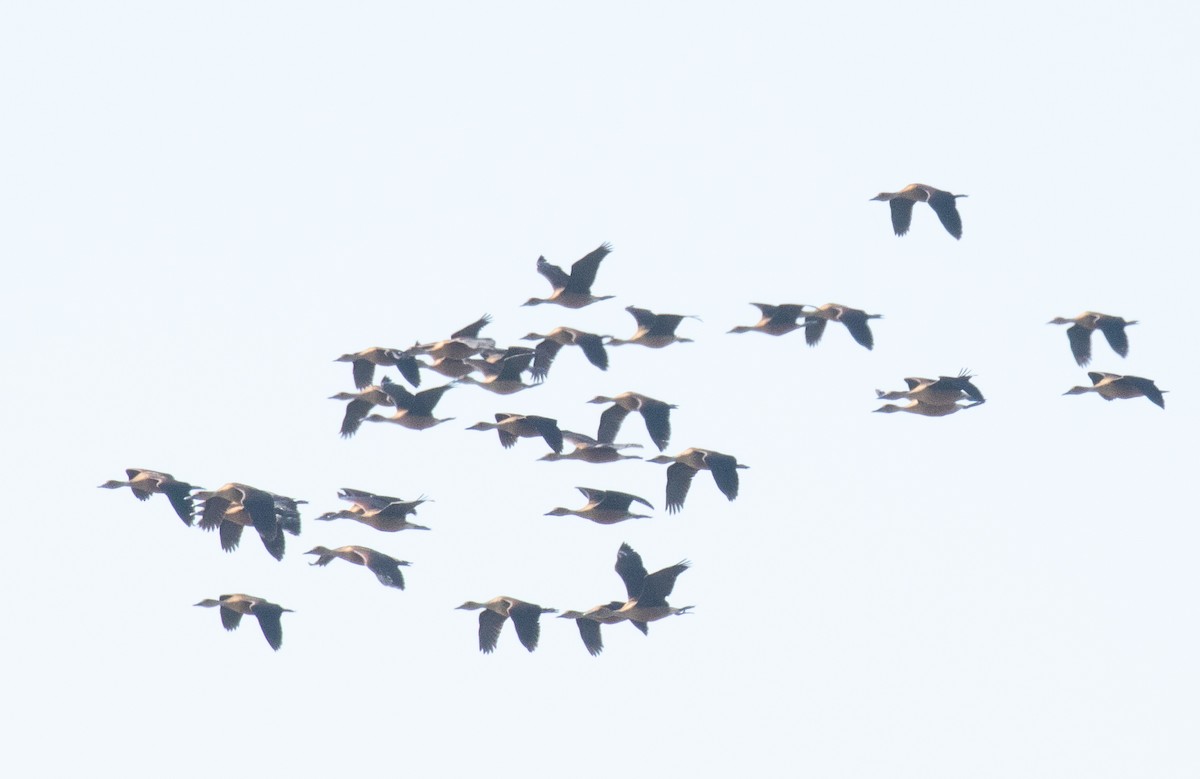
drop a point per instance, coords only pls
(574, 289)
(385, 567)
(688, 463)
(497, 611)
(855, 319)
(237, 604)
(143, 483)
(1081, 328)
(1114, 386)
(942, 203)
(655, 413)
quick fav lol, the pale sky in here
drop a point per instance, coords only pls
(204, 204)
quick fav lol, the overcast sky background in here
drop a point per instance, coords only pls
(203, 205)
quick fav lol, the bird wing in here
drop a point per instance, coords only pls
(621, 500)
(679, 480)
(472, 330)
(724, 471)
(543, 355)
(385, 568)
(1148, 389)
(548, 429)
(1114, 331)
(657, 416)
(268, 619)
(593, 348)
(230, 619)
(1081, 344)
(610, 424)
(409, 367)
(400, 396)
(514, 364)
(212, 512)
(901, 214)
(631, 570)
(814, 328)
(364, 373)
(423, 402)
(659, 584)
(356, 412)
(525, 618)
(557, 277)
(231, 535)
(181, 500)
(589, 631)
(490, 624)
(665, 324)
(857, 323)
(644, 317)
(261, 508)
(583, 272)
(944, 206)
(274, 543)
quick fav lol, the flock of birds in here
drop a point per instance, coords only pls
(467, 358)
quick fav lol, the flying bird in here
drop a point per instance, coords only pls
(497, 611)
(234, 606)
(604, 507)
(942, 203)
(856, 321)
(654, 330)
(1113, 386)
(688, 463)
(574, 289)
(385, 567)
(655, 413)
(143, 483)
(1080, 333)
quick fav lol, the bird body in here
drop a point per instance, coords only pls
(552, 342)
(925, 409)
(944, 390)
(235, 506)
(381, 512)
(494, 613)
(414, 412)
(366, 360)
(589, 450)
(574, 289)
(654, 330)
(655, 413)
(686, 464)
(604, 507)
(234, 606)
(143, 483)
(510, 427)
(1081, 328)
(647, 592)
(502, 376)
(775, 320)
(855, 319)
(385, 567)
(1114, 386)
(942, 203)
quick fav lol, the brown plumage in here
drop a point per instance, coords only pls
(688, 463)
(1114, 386)
(143, 483)
(942, 203)
(385, 567)
(574, 289)
(233, 606)
(1081, 328)
(497, 611)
